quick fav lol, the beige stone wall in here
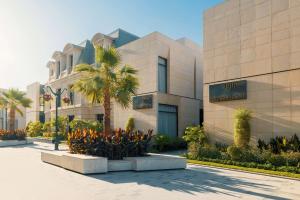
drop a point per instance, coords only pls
(258, 41)
(184, 81)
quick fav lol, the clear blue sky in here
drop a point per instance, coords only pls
(31, 30)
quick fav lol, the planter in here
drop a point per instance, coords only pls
(86, 164)
(7, 143)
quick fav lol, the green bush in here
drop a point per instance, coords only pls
(277, 160)
(165, 143)
(242, 131)
(292, 159)
(130, 125)
(235, 153)
(209, 152)
(35, 129)
(195, 134)
(79, 124)
(221, 146)
(193, 150)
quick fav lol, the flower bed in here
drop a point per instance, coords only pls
(114, 147)
(12, 135)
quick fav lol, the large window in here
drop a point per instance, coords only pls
(162, 74)
(58, 69)
(59, 98)
(167, 120)
(71, 63)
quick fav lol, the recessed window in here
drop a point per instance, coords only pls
(71, 60)
(162, 74)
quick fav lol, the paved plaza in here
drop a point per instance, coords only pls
(24, 177)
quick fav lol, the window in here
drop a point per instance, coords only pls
(100, 117)
(58, 69)
(70, 63)
(58, 98)
(71, 95)
(162, 74)
(71, 60)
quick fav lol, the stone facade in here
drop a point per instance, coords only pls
(257, 41)
(184, 78)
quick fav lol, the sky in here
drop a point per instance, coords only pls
(31, 30)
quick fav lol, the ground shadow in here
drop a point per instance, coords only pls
(193, 180)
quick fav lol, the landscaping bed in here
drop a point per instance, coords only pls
(246, 169)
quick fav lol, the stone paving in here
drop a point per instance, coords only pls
(24, 177)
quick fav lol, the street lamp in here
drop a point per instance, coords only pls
(57, 95)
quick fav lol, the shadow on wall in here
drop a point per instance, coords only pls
(195, 180)
(270, 119)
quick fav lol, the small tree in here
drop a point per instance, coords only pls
(13, 100)
(129, 125)
(242, 130)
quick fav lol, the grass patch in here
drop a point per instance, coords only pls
(254, 170)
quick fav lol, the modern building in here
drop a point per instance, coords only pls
(169, 97)
(20, 121)
(252, 60)
(36, 111)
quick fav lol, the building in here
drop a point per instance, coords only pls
(252, 60)
(20, 121)
(169, 97)
(36, 110)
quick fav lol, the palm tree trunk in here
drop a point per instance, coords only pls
(12, 117)
(106, 112)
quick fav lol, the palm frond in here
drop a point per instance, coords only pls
(109, 57)
(85, 68)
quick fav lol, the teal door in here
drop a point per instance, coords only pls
(167, 120)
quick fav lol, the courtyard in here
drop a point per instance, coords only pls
(24, 177)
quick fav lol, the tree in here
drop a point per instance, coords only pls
(12, 100)
(242, 131)
(106, 80)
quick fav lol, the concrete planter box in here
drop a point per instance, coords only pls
(7, 143)
(83, 164)
(86, 164)
(119, 165)
(157, 162)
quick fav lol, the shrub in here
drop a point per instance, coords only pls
(242, 129)
(130, 125)
(193, 150)
(47, 128)
(280, 144)
(35, 129)
(86, 124)
(12, 135)
(235, 153)
(292, 159)
(195, 134)
(115, 146)
(163, 142)
(277, 160)
(221, 146)
(209, 152)
(294, 143)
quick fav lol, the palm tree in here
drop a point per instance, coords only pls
(106, 80)
(12, 100)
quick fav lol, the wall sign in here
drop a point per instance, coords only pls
(228, 91)
(142, 102)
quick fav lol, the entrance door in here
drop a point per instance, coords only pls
(167, 120)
